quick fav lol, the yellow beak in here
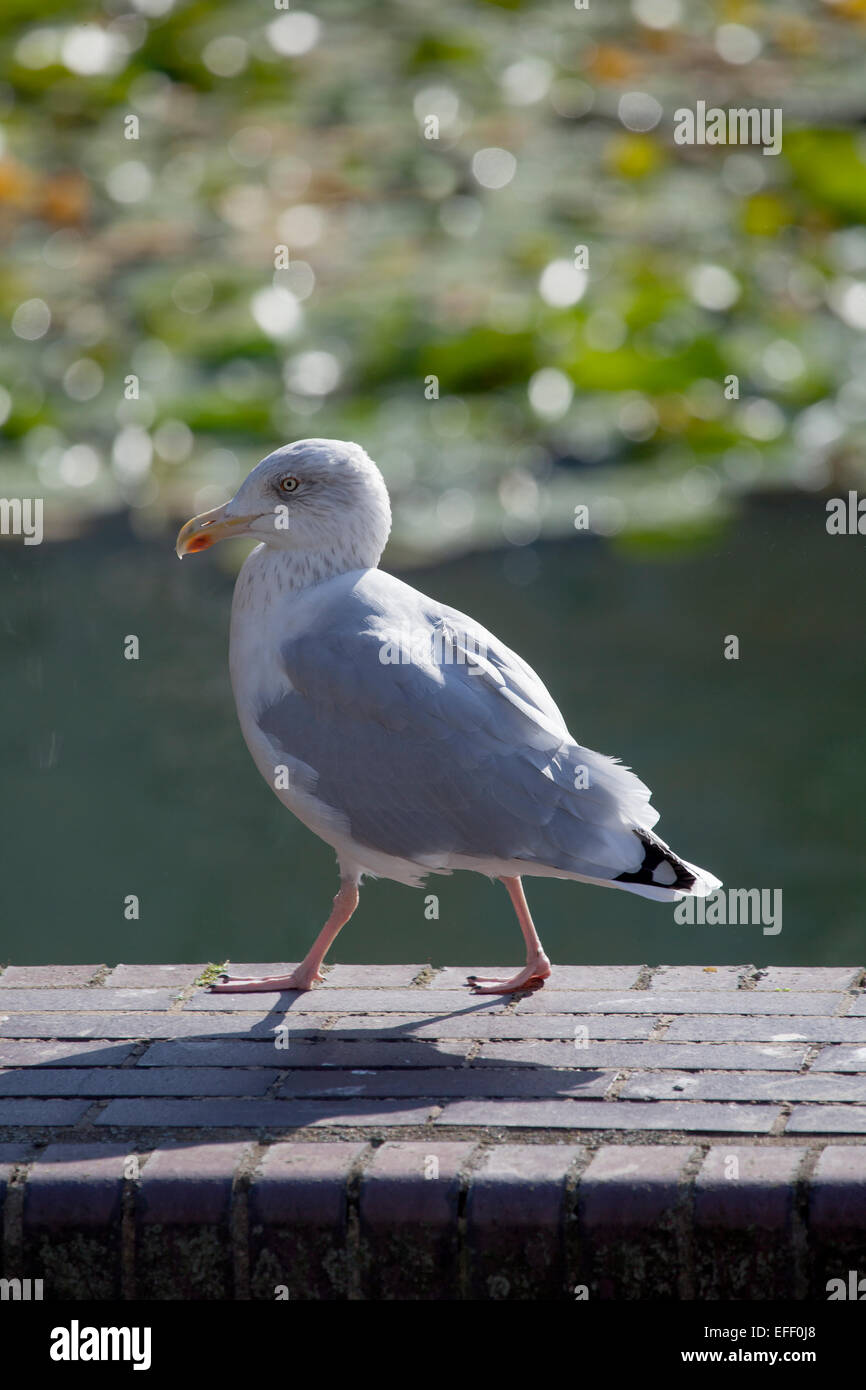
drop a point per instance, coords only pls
(203, 531)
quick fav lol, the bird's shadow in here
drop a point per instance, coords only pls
(335, 1073)
(384, 1070)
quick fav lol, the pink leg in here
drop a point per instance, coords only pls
(303, 975)
(537, 966)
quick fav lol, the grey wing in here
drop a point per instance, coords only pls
(426, 758)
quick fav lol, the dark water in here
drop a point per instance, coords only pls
(131, 777)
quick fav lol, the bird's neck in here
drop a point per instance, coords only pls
(268, 574)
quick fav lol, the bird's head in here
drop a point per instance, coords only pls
(319, 496)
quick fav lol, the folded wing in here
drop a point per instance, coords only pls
(429, 739)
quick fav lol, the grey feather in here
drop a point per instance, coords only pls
(427, 758)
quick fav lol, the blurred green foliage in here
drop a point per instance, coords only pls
(412, 257)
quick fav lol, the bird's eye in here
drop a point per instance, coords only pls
(288, 484)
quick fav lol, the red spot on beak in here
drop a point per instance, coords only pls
(199, 543)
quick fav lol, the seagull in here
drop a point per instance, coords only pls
(399, 730)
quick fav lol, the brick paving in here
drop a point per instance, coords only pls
(392, 1135)
(85, 1050)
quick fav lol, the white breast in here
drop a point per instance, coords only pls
(267, 610)
(257, 628)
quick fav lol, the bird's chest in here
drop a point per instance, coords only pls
(267, 612)
(263, 617)
(258, 629)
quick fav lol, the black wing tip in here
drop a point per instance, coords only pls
(655, 855)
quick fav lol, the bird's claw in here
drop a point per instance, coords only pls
(269, 984)
(532, 977)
